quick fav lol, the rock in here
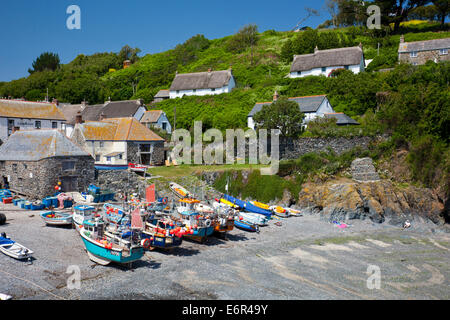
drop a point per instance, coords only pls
(379, 201)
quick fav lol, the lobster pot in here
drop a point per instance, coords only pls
(48, 202)
(37, 206)
(7, 200)
(16, 201)
(27, 205)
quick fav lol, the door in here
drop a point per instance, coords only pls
(69, 184)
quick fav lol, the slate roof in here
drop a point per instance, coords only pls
(111, 109)
(35, 145)
(342, 118)
(118, 129)
(327, 58)
(201, 80)
(30, 110)
(426, 45)
(162, 94)
(307, 104)
(70, 111)
(151, 116)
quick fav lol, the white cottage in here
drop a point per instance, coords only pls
(311, 106)
(323, 62)
(202, 83)
(26, 115)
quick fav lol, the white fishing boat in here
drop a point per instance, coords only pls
(14, 249)
(81, 214)
(179, 191)
(294, 212)
(280, 211)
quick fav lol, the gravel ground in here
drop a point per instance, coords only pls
(304, 258)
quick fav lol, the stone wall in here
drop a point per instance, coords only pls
(133, 154)
(121, 181)
(37, 179)
(423, 57)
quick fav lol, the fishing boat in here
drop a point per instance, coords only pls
(200, 225)
(223, 218)
(57, 218)
(14, 249)
(203, 208)
(161, 232)
(81, 214)
(104, 247)
(280, 211)
(244, 225)
(226, 203)
(179, 191)
(260, 205)
(247, 206)
(254, 218)
(137, 167)
(294, 212)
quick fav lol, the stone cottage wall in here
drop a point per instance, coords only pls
(37, 179)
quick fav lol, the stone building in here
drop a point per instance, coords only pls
(114, 143)
(32, 163)
(419, 52)
(19, 114)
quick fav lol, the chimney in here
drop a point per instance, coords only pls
(102, 116)
(275, 96)
(402, 39)
(360, 45)
(15, 129)
(78, 118)
(316, 49)
(209, 70)
(55, 101)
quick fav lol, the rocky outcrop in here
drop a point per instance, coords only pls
(379, 201)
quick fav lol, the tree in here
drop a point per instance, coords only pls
(46, 61)
(282, 114)
(443, 8)
(246, 37)
(397, 11)
(128, 53)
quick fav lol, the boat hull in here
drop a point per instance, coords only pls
(96, 251)
(162, 242)
(65, 219)
(246, 226)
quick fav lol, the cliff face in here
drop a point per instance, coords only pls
(379, 201)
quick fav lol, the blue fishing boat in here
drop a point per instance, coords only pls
(245, 225)
(57, 218)
(81, 214)
(104, 247)
(247, 206)
(197, 225)
(160, 233)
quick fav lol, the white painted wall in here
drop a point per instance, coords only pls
(25, 124)
(203, 92)
(94, 148)
(357, 68)
(325, 107)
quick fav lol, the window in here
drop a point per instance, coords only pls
(413, 54)
(346, 67)
(443, 51)
(97, 157)
(324, 69)
(54, 125)
(414, 63)
(37, 124)
(2, 165)
(195, 90)
(14, 167)
(213, 89)
(164, 125)
(120, 156)
(299, 73)
(108, 159)
(178, 91)
(102, 144)
(68, 165)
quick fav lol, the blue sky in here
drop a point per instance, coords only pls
(28, 28)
